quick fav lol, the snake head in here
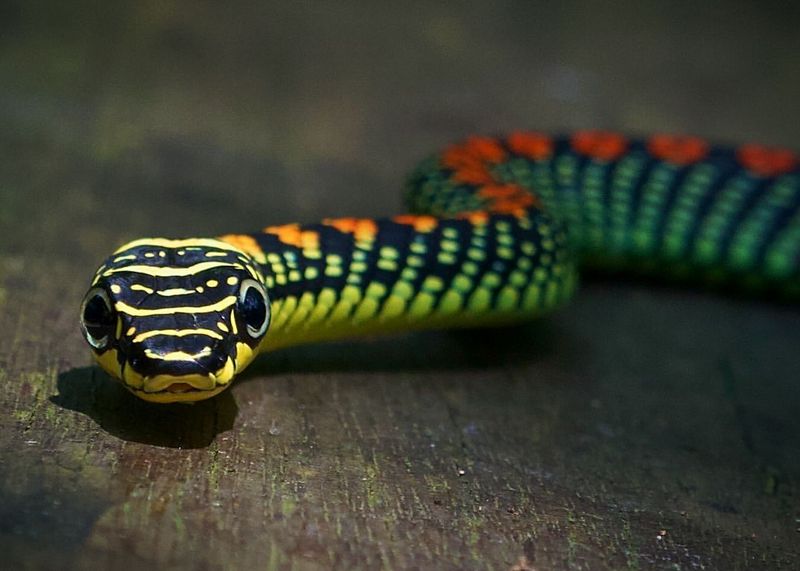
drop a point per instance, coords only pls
(175, 320)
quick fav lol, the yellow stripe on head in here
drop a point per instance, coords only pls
(168, 271)
(176, 333)
(176, 319)
(123, 307)
(176, 244)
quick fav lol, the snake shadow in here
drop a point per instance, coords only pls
(446, 350)
(90, 391)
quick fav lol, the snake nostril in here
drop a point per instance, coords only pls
(135, 360)
(149, 360)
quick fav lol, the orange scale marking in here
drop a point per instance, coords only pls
(476, 217)
(246, 244)
(363, 229)
(766, 161)
(471, 159)
(457, 158)
(486, 148)
(502, 197)
(601, 145)
(292, 234)
(421, 223)
(515, 205)
(533, 145)
(500, 191)
(476, 175)
(677, 149)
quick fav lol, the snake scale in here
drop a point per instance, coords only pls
(496, 231)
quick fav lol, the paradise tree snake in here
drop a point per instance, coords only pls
(496, 232)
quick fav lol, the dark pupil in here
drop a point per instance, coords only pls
(254, 310)
(97, 317)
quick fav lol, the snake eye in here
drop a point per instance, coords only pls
(98, 318)
(254, 307)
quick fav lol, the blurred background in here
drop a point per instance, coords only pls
(266, 112)
(640, 428)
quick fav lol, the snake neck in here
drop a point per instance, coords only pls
(499, 226)
(350, 277)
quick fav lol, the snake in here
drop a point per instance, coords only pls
(496, 231)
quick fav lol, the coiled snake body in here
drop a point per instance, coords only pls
(497, 230)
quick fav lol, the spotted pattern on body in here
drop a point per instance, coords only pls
(496, 230)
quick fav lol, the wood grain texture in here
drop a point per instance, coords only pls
(641, 428)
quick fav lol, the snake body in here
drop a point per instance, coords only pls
(497, 230)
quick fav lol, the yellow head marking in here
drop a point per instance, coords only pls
(176, 320)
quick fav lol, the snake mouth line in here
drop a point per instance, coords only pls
(178, 391)
(180, 388)
(179, 384)
(175, 388)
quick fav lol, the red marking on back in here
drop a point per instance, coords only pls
(420, 222)
(766, 161)
(364, 229)
(477, 217)
(500, 191)
(508, 199)
(532, 145)
(601, 145)
(292, 234)
(516, 205)
(487, 148)
(470, 160)
(681, 150)
(473, 175)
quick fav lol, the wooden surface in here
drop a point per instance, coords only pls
(641, 428)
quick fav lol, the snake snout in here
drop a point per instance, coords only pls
(192, 357)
